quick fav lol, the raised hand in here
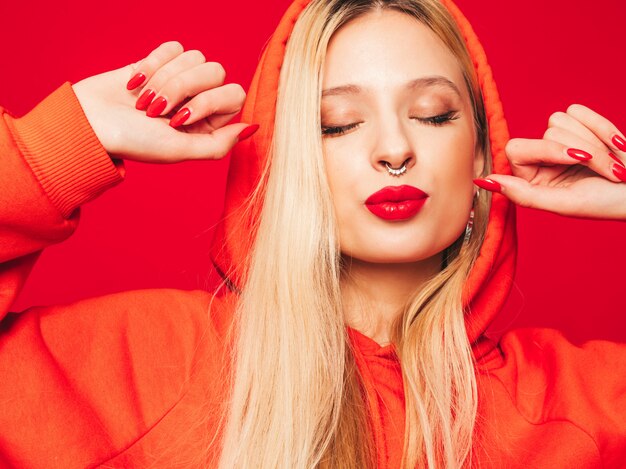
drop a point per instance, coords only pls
(130, 109)
(576, 169)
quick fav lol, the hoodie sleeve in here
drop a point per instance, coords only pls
(552, 379)
(84, 381)
(52, 163)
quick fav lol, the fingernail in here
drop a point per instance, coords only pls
(156, 107)
(619, 142)
(247, 132)
(145, 99)
(580, 155)
(619, 171)
(180, 117)
(135, 81)
(616, 159)
(488, 184)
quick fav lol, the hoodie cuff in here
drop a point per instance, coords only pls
(63, 151)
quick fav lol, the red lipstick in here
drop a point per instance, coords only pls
(396, 202)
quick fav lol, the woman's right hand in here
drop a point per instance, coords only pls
(185, 80)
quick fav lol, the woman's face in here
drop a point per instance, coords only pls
(385, 77)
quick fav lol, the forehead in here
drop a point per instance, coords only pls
(384, 49)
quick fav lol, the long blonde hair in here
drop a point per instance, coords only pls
(296, 399)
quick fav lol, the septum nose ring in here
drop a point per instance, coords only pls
(396, 172)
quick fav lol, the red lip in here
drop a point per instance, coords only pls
(396, 202)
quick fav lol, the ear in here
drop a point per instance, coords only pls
(479, 161)
(479, 164)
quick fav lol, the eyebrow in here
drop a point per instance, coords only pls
(423, 82)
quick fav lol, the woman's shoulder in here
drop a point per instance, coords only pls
(550, 352)
(158, 333)
(99, 373)
(139, 322)
(550, 378)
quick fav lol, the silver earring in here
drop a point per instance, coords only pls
(396, 172)
(470, 222)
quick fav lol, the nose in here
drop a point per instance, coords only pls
(393, 147)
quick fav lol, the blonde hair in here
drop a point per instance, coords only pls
(296, 399)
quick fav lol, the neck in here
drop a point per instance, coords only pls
(374, 295)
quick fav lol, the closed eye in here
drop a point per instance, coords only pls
(337, 130)
(440, 119)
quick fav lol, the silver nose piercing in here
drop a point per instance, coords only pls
(396, 172)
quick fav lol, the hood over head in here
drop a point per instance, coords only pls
(491, 277)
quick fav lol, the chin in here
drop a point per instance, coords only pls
(391, 253)
(400, 247)
(398, 242)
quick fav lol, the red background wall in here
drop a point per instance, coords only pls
(154, 229)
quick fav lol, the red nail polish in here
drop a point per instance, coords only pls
(619, 142)
(156, 107)
(488, 184)
(616, 159)
(180, 117)
(247, 132)
(135, 81)
(619, 171)
(580, 155)
(145, 99)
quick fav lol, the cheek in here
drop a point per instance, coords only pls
(349, 176)
(453, 178)
(456, 145)
(342, 173)
(452, 173)
(450, 160)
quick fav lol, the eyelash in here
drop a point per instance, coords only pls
(436, 121)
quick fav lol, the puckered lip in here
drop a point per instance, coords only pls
(396, 194)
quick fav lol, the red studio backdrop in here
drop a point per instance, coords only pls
(155, 228)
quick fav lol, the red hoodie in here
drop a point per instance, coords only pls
(136, 379)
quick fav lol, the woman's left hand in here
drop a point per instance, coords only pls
(576, 169)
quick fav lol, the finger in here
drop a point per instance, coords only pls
(219, 120)
(137, 77)
(562, 200)
(600, 162)
(527, 156)
(603, 128)
(186, 146)
(145, 68)
(185, 76)
(224, 100)
(210, 124)
(567, 122)
(192, 82)
(558, 147)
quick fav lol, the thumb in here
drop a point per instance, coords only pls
(525, 194)
(213, 145)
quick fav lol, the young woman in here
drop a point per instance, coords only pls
(366, 245)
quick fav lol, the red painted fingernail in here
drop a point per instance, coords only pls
(580, 155)
(145, 99)
(247, 132)
(488, 184)
(619, 171)
(180, 117)
(135, 81)
(156, 107)
(616, 159)
(619, 142)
